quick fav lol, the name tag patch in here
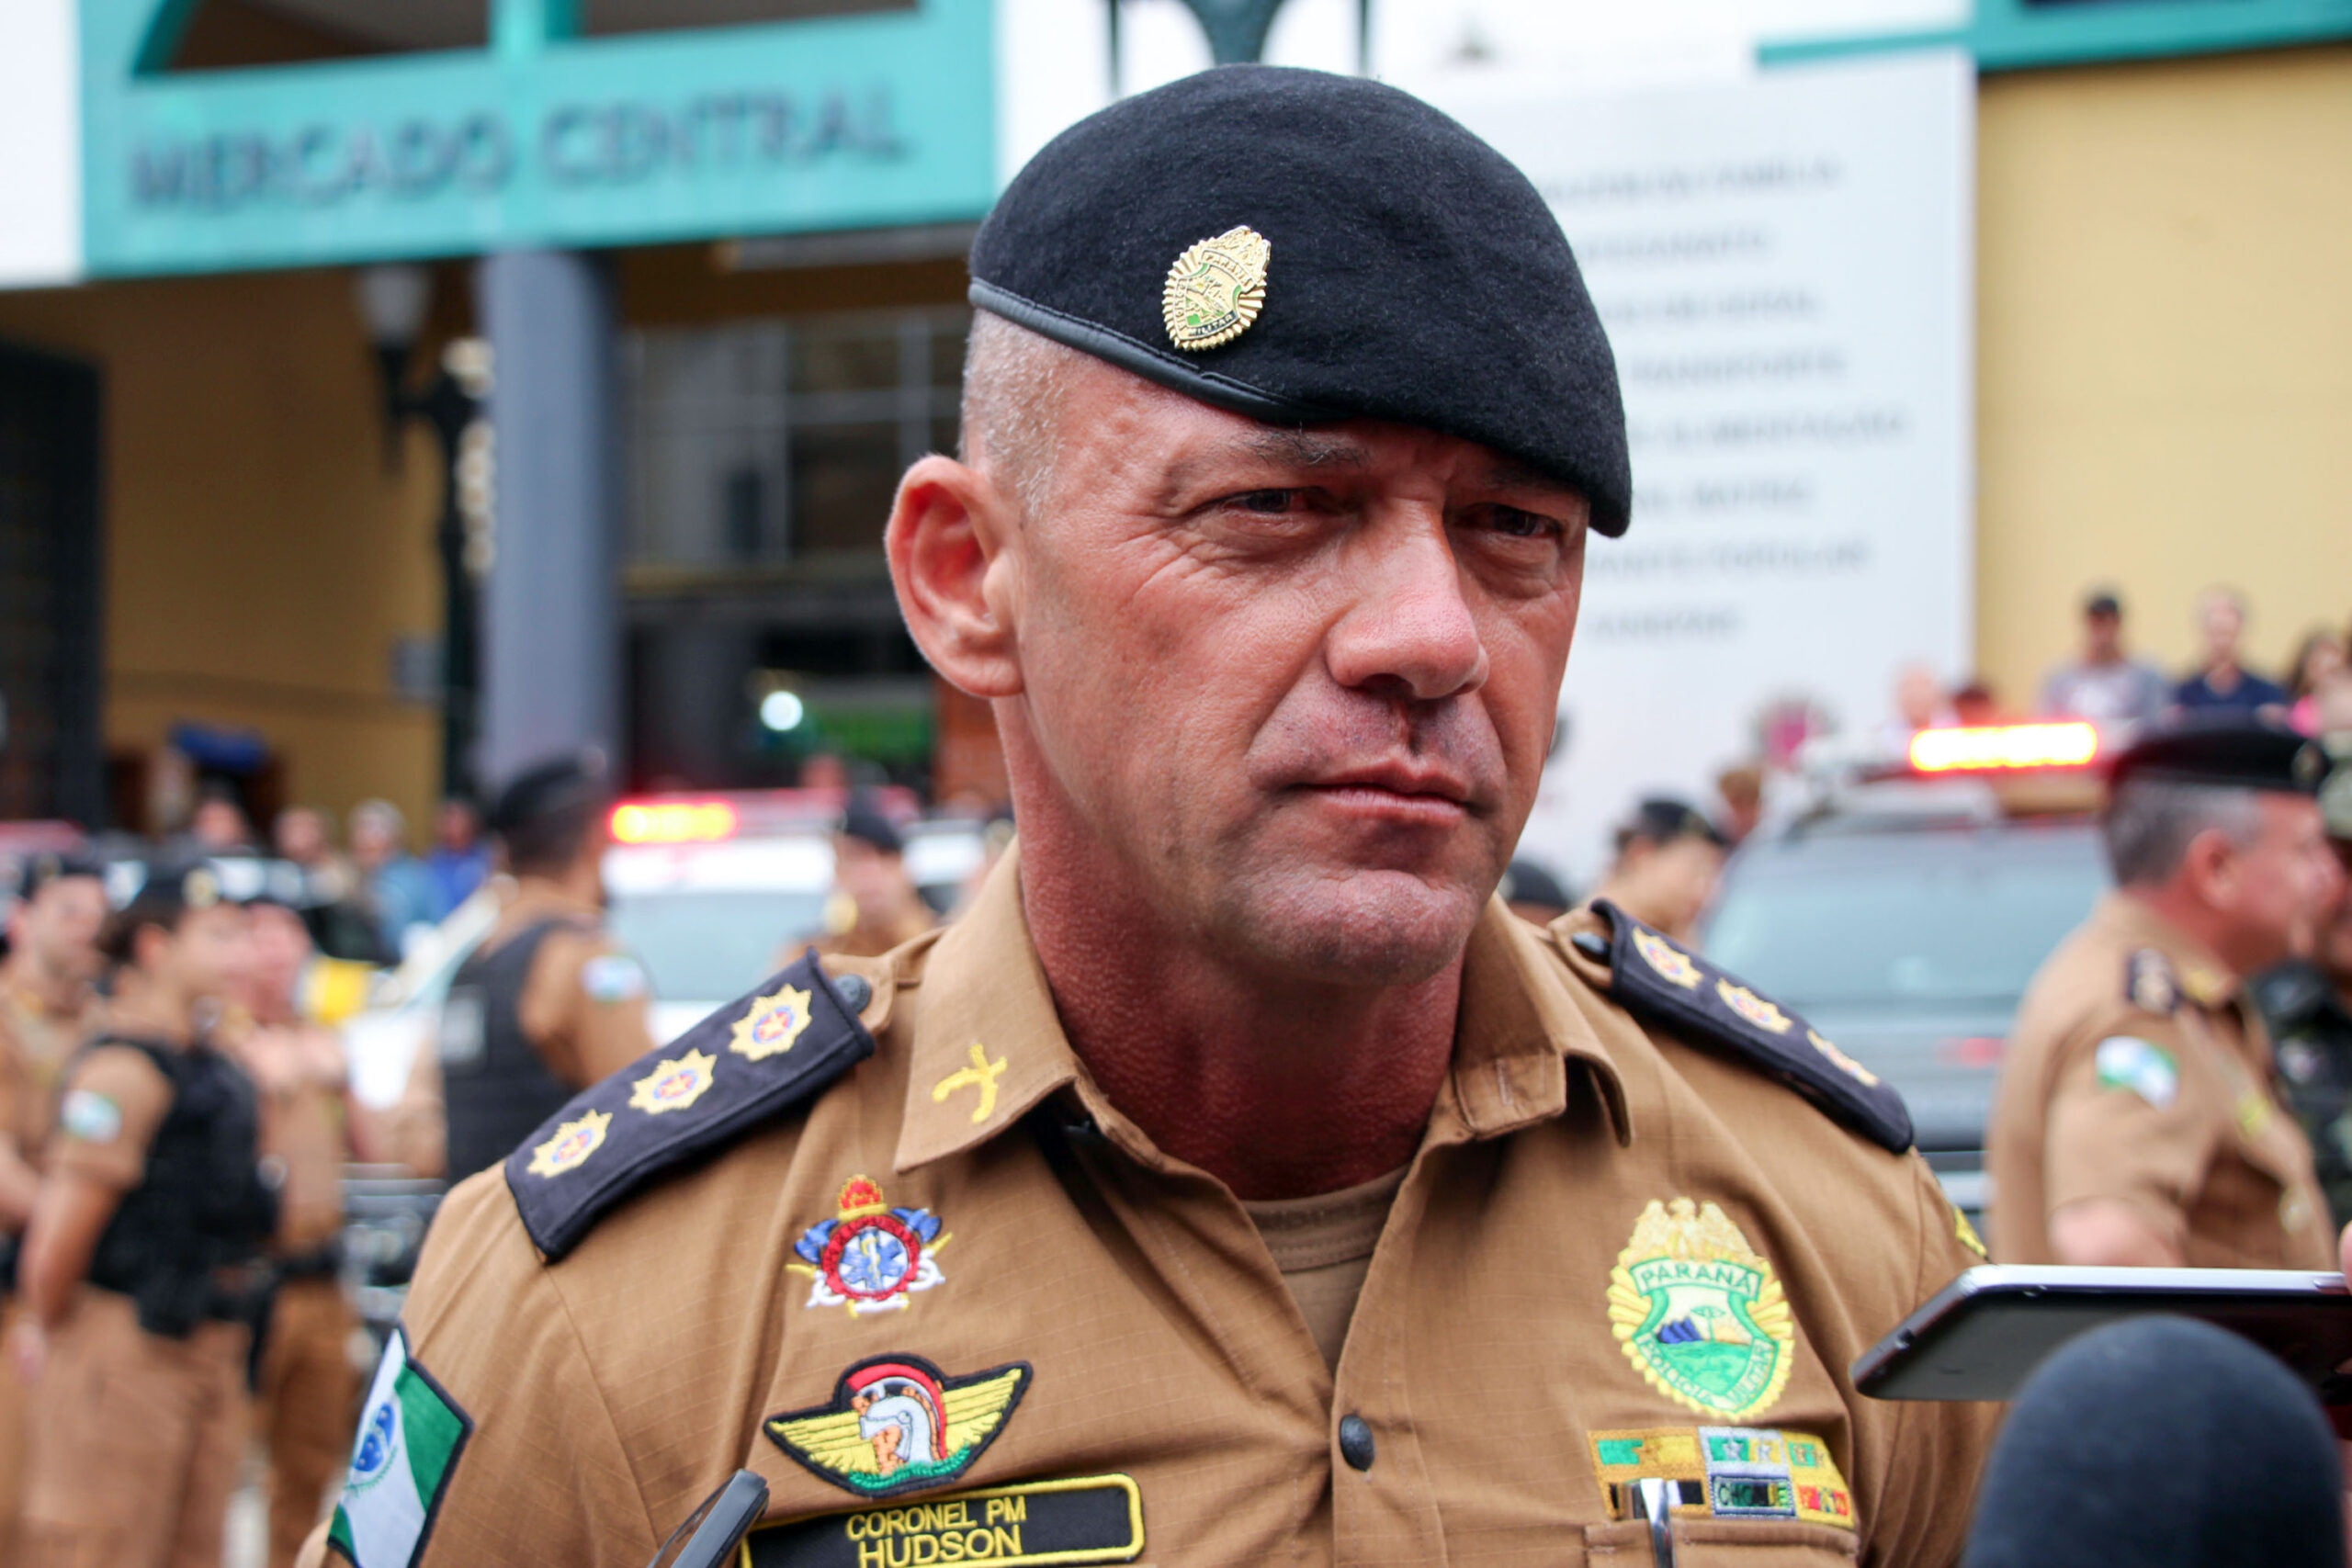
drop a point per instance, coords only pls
(1727, 1472)
(1089, 1518)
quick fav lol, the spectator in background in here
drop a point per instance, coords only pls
(394, 885)
(1741, 791)
(2107, 686)
(219, 825)
(1668, 860)
(1918, 705)
(2318, 663)
(1533, 893)
(338, 921)
(2223, 681)
(460, 860)
(1974, 706)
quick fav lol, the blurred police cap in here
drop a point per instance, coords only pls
(2225, 751)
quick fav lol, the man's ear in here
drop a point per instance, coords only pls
(2211, 866)
(957, 579)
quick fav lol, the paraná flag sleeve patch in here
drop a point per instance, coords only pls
(407, 1448)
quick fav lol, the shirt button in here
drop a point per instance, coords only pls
(856, 992)
(1355, 1441)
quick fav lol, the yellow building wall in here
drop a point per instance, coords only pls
(260, 560)
(2165, 338)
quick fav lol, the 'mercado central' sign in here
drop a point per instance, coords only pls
(842, 123)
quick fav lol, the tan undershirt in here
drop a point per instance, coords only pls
(1323, 1247)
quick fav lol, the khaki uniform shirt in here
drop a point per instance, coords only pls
(1612, 1257)
(34, 1043)
(2139, 1071)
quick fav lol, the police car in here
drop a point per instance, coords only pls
(1903, 903)
(711, 892)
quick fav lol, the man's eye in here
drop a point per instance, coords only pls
(1518, 524)
(1269, 502)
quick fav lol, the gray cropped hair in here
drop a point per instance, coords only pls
(1013, 397)
(2150, 824)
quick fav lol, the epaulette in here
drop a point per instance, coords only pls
(1656, 981)
(2149, 983)
(754, 1059)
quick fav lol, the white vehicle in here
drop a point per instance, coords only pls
(712, 893)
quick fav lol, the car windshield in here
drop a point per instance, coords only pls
(702, 946)
(1905, 918)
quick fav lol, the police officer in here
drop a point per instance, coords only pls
(1237, 1180)
(548, 1004)
(307, 1394)
(140, 1263)
(48, 1008)
(875, 905)
(1670, 858)
(2138, 1118)
(2307, 1003)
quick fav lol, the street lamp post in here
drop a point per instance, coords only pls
(393, 300)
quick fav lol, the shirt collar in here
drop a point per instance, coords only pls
(988, 1044)
(2204, 978)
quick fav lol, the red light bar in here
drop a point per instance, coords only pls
(2003, 748)
(673, 821)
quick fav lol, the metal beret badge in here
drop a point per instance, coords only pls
(1216, 289)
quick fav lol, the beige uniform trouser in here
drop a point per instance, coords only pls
(15, 1410)
(308, 1405)
(136, 1441)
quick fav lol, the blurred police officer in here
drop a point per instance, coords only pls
(1238, 1180)
(2138, 1118)
(1669, 858)
(48, 1008)
(307, 1394)
(548, 1004)
(2307, 1002)
(140, 1263)
(874, 904)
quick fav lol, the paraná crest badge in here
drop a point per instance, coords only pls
(1700, 1312)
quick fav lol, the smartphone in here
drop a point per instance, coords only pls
(713, 1534)
(1981, 1335)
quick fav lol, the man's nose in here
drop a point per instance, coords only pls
(1409, 631)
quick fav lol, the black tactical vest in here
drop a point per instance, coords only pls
(202, 1207)
(494, 1087)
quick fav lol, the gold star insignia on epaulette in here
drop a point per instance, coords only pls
(572, 1143)
(675, 1083)
(771, 1025)
(1671, 962)
(1753, 1007)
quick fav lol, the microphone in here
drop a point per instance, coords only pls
(2162, 1442)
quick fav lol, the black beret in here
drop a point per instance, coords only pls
(1405, 270)
(1663, 818)
(2228, 750)
(1524, 882)
(560, 783)
(182, 883)
(46, 866)
(864, 821)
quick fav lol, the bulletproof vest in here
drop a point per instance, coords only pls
(494, 1087)
(202, 1206)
